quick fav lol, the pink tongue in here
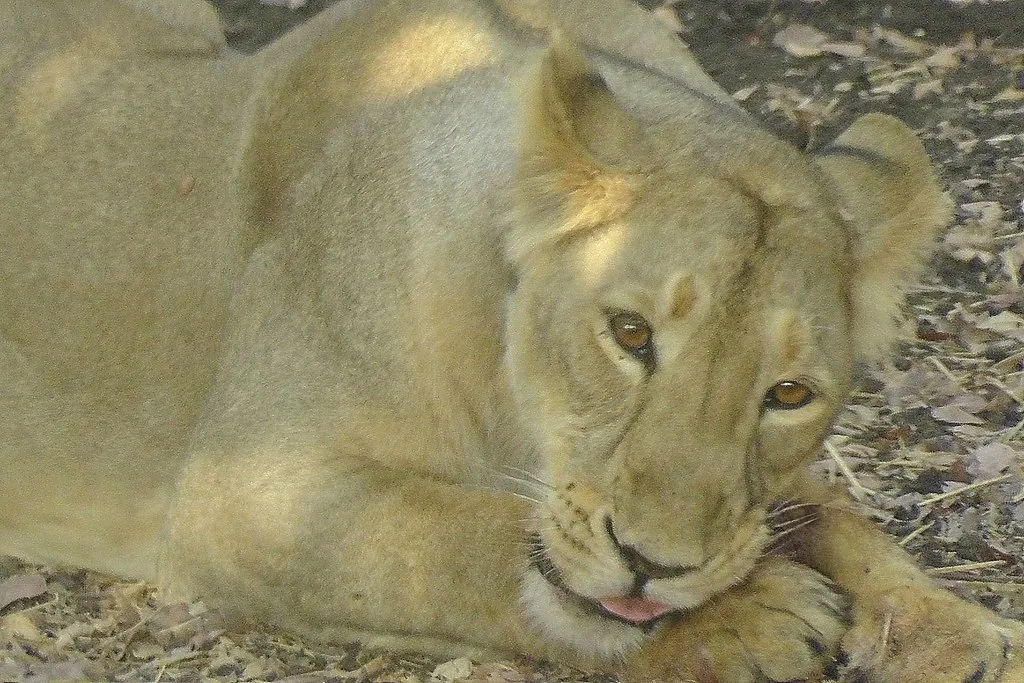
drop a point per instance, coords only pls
(637, 610)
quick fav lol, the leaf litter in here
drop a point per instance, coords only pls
(932, 444)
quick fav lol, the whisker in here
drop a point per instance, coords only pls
(535, 489)
(521, 474)
(526, 482)
(532, 521)
(790, 531)
(795, 522)
(523, 496)
(789, 506)
(537, 486)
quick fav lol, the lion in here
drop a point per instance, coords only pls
(476, 327)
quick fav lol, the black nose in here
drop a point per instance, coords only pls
(643, 568)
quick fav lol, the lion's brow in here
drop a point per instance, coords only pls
(765, 219)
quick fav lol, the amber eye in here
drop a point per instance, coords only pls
(787, 396)
(633, 334)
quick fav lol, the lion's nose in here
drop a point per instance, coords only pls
(642, 567)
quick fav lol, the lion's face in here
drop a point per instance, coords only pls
(680, 367)
(682, 335)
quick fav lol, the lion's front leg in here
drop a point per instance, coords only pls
(905, 628)
(783, 623)
(350, 550)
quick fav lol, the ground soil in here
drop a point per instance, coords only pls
(932, 443)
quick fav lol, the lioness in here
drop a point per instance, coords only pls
(436, 328)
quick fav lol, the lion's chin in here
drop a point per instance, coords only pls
(581, 623)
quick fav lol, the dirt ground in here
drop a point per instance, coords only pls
(932, 443)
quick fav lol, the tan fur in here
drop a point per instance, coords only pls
(321, 335)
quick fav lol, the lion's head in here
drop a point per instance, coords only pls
(692, 297)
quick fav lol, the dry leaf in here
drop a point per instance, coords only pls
(498, 672)
(801, 40)
(79, 629)
(944, 59)
(1010, 93)
(147, 651)
(956, 415)
(926, 88)
(972, 403)
(170, 616)
(845, 49)
(743, 94)
(1013, 262)
(452, 670)
(21, 586)
(22, 626)
(667, 15)
(1003, 138)
(992, 460)
(988, 213)
(1006, 323)
(974, 239)
(263, 669)
(900, 41)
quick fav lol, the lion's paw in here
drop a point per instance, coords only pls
(784, 623)
(926, 635)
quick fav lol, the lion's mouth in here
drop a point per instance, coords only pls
(634, 610)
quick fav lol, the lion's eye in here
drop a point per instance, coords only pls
(633, 334)
(787, 396)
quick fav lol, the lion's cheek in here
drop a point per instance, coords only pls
(782, 464)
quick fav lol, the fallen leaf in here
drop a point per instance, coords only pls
(367, 671)
(147, 651)
(991, 460)
(956, 415)
(170, 616)
(67, 635)
(1003, 138)
(801, 40)
(989, 213)
(926, 88)
(1006, 323)
(901, 42)
(20, 625)
(452, 670)
(21, 586)
(1010, 93)
(667, 15)
(1013, 262)
(959, 471)
(944, 59)
(974, 239)
(498, 672)
(844, 49)
(77, 669)
(972, 431)
(743, 94)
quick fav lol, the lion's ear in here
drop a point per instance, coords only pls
(574, 165)
(887, 189)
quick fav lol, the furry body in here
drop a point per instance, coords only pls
(275, 330)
